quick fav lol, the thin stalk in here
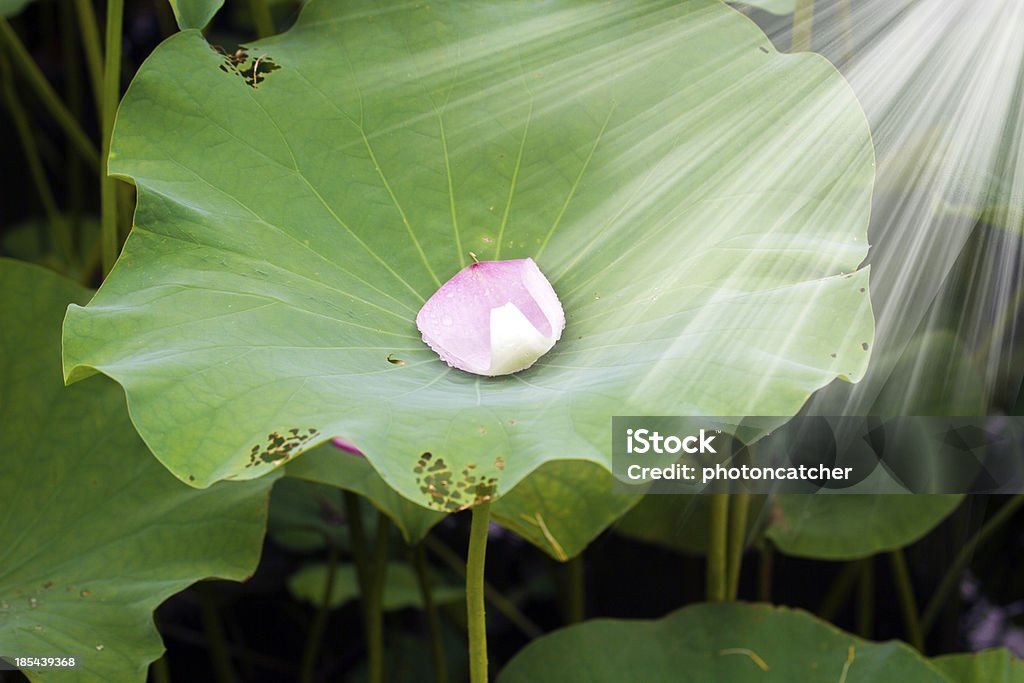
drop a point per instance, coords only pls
(803, 26)
(91, 265)
(160, 671)
(111, 96)
(56, 231)
(908, 603)
(437, 656)
(360, 552)
(866, 598)
(165, 18)
(316, 629)
(475, 614)
(73, 96)
(963, 559)
(89, 31)
(506, 606)
(765, 570)
(361, 555)
(217, 644)
(261, 18)
(37, 81)
(718, 534)
(840, 590)
(737, 542)
(575, 591)
(375, 603)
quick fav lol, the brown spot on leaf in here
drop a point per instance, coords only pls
(445, 491)
(280, 447)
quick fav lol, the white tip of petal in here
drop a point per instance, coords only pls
(515, 343)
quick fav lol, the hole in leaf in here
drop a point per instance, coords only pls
(252, 70)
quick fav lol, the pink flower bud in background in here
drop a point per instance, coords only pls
(493, 317)
(346, 445)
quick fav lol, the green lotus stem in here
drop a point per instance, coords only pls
(374, 601)
(160, 671)
(59, 239)
(165, 18)
(364, 573)
(259, 11)
(437, 656)
(91, 264)
(803, 26)
(908, 603)
(963, 559)
(505, 605)
(110, 97)
(764, 572)
(89, 31)
(37, 81)
(316, 629)
(718, 541)
(73, 88)
(575, 593)
(475, 613)
(737, 542)
(354, 516)
(840, 590)
(866, 598)
(220, 656)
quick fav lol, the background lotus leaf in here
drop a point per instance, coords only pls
(95, 533)
(716, 642)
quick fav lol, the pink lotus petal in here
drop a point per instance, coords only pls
(346, 445)
(493, 317)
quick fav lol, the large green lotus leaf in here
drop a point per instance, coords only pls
(194, 13)
(401, 586)
(95, 533)
(698, 200)
(847, 527)
(990, 666)
(724, 642)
